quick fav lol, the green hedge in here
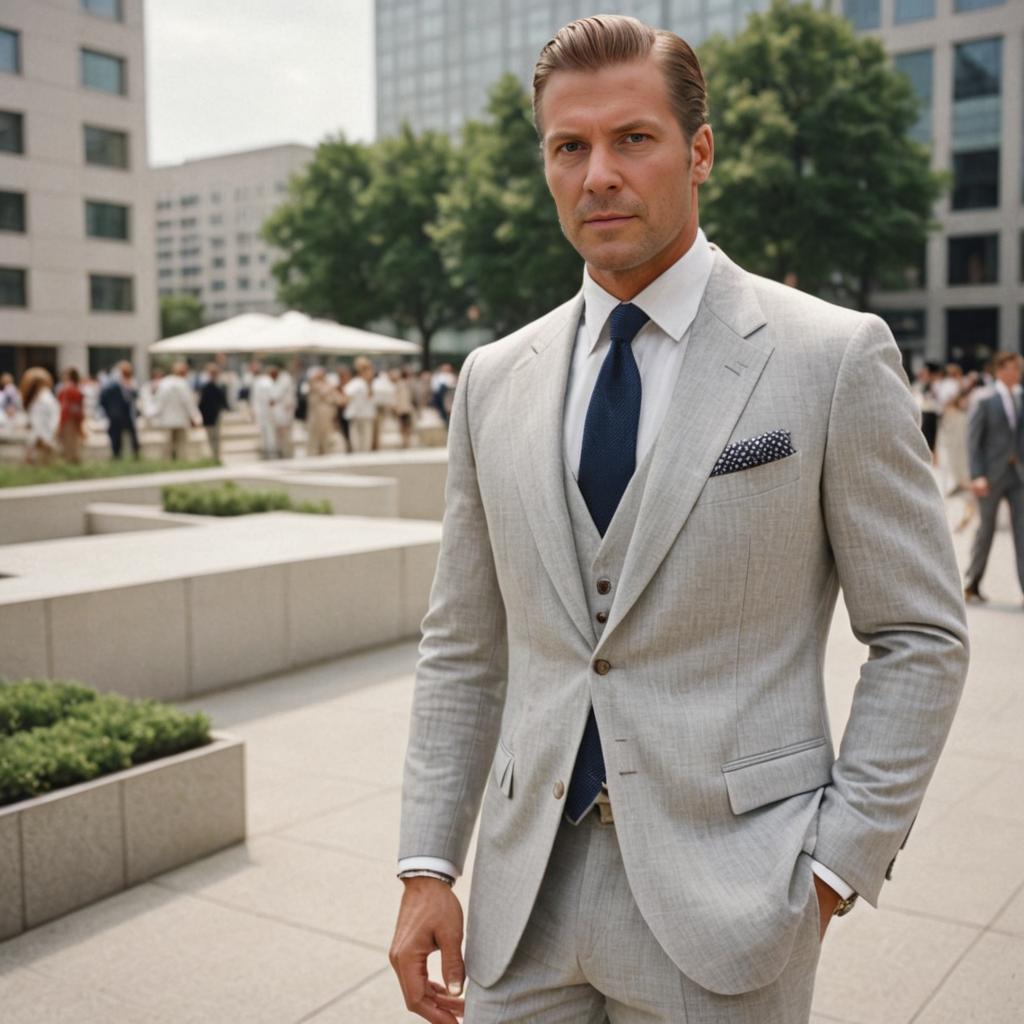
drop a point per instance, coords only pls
(61, 472)
(230, 500)
(55, 734)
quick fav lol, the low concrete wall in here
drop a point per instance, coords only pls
(113, 517)
(52, 511)
(224, 602)
(77, 845)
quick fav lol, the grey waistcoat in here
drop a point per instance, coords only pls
(602, 558)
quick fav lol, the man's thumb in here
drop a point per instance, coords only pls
(452, 969)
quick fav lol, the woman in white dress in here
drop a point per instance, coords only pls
(43, 411)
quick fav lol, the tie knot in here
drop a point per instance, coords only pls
(626, 320)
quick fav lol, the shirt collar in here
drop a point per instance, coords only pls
(670, 300)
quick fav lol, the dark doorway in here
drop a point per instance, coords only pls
(972, 336)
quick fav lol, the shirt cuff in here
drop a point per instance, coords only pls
(446, 867)
(831, 879)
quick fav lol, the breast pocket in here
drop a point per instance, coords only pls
(748, 483)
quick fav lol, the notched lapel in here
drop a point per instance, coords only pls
(718, 375)
(535, 400)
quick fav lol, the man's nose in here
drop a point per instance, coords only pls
(602, 172)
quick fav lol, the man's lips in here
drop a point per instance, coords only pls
(609, 218)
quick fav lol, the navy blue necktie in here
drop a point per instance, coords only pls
(607, 462)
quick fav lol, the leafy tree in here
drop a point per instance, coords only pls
(327, 257)
(497, 229)
(815, 174)
(409, 282)
(179, 314)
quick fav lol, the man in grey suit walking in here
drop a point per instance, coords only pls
(623, 651)
(995, 452)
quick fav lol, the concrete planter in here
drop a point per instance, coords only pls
(74, 846)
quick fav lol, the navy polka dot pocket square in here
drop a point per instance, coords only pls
(754, 451)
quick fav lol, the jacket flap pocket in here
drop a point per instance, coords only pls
(776, 774)
(502, 768)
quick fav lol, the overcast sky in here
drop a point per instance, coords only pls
(225, 75)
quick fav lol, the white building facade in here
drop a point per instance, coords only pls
(77, 277)
(208, 215)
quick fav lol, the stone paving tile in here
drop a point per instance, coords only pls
(191, 960)
(28, 997)
(365, 828)
(289, 800)
(986, 987)
(322, 890)
(878, 967)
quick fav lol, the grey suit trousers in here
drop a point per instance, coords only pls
(1011, 487)
(588, 957)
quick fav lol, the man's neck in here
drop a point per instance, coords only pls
(627, 284)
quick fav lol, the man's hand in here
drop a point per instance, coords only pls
(979, 486)
(828, 899)
(430, 918)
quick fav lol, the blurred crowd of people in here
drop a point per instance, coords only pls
(343, 409)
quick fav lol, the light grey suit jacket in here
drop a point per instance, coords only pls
(713, 718)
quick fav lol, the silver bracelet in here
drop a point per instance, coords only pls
(425, 873)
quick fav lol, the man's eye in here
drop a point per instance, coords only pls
(570, 147)
(637, 137)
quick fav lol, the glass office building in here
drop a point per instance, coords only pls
(964, 297)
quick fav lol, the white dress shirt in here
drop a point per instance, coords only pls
(671, 301)
(1009, 403)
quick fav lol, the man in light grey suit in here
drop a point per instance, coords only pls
(995, 451)
(654, 495)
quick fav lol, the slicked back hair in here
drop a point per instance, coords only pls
(591, 44)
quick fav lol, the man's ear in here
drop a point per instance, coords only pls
(702, 154)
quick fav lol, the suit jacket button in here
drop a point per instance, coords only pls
(602, 667)
(604, 586)
(602, 616)
(558, 791)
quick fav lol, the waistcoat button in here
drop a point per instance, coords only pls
(559, 790)
(604, 586)
(601, 616)
(602, 667)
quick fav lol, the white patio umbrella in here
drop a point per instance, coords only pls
(289, 332)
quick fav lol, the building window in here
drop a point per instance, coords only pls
(189, 201)
(863, 13)
(190, 253)
(976, 179)
(106, 220)
(977, 128)
(217, 286)
(12, 287)
(105, 147)
(912, 10)
(12, 211)
(217, 242)
(191, 271)
(165, 272)
(10, 51)
(975, 5)
(188, 222)
(110, 294)
(243, 284)
(216, 219)
(165, 255)
(905, 324)
(215, 197)
(243, 259)
(917, 66)
(243, 238)
(217, 263)
(104, 8)
(974, 259)
(104, 72)
(907, 278)
(978, 69)
(12, 132)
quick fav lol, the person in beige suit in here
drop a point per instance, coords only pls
(622, 656)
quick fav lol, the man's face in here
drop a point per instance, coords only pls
(623, 177)
(1009, 373)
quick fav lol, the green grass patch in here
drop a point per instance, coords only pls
(228, 499)
(55, 734)
(62, 472)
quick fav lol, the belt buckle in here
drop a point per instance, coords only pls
(604, 806)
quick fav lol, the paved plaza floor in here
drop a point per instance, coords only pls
(294, 926)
